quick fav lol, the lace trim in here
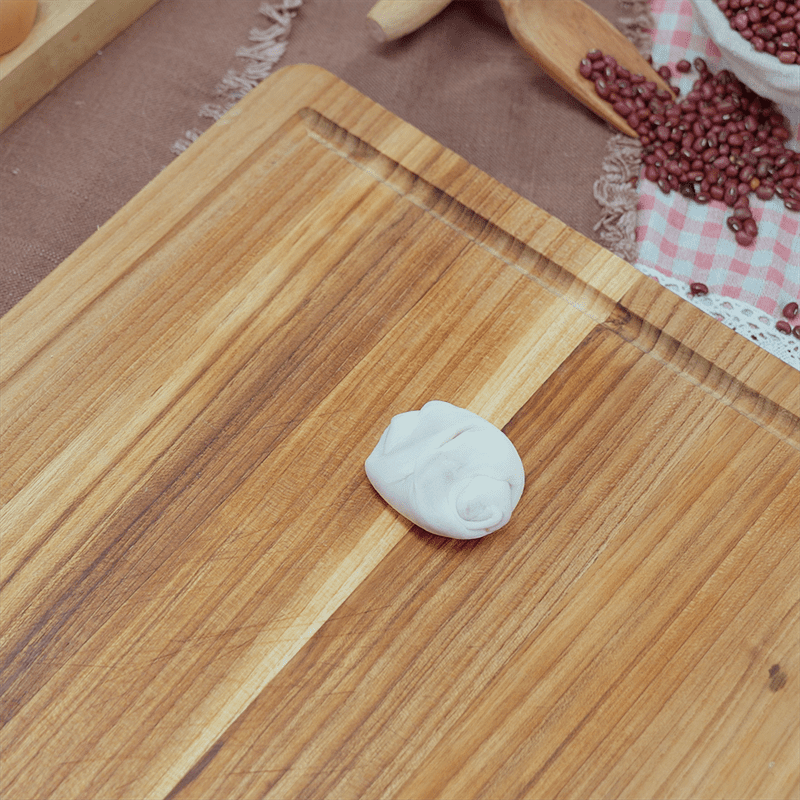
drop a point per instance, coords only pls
(746, 320)
(269, 44)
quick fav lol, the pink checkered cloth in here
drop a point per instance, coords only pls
(688, 242)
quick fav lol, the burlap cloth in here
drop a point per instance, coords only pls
(81, 153)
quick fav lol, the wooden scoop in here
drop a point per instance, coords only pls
(556, 34)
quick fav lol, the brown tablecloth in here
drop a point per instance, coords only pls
(78, 156)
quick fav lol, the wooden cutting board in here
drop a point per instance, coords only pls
(203, 596)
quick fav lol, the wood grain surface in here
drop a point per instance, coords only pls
(66, 34)
(202, 595)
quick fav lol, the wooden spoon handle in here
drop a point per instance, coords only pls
(391, 19)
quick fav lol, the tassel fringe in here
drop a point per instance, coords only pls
(615, 190)
(269, 45)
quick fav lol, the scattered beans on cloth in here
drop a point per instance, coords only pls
(720, 142)
(790, 311)
(771, 26)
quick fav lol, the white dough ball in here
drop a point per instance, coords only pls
(448, 470)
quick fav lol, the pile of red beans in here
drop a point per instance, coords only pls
(771, 26)
(720, 142)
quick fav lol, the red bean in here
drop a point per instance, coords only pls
(750, 227)
(764, 192)
(674, 168)
(783, 326)
(601, 87)
(747, 173)
(790, 310)
(796, 331)
(731, 194)
(698, 288)
(774, 31)
(721, 142)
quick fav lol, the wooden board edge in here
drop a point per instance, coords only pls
(660, 321)
(54, 51)
(74, 284)
(293, 88)
(300, 86)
